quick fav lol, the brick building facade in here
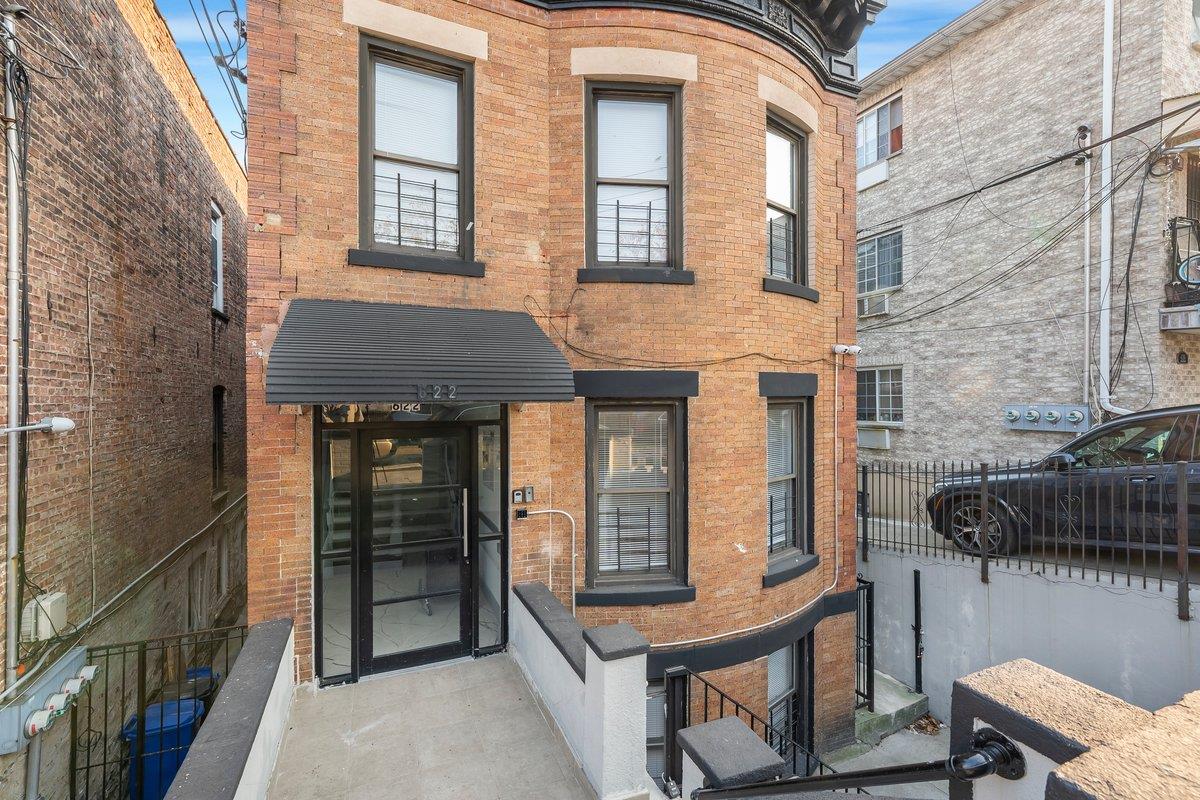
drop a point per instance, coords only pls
(1009, 85)
(126, 166)
(667, 367)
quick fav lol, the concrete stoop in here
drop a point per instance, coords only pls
(896, 706)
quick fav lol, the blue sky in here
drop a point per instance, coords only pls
(902, 24)
(178, 14)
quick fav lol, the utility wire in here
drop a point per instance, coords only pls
(1031, 169)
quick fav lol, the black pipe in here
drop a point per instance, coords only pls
(918, 646)
(992, 753)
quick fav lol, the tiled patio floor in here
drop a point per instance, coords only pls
(471, 729)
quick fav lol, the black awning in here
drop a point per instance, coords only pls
(331, 351)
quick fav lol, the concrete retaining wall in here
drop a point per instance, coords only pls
(1128, 642)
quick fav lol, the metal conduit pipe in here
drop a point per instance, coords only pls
(551, 571)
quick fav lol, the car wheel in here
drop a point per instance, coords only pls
(969, 527)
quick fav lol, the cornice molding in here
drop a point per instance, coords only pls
(821, 33)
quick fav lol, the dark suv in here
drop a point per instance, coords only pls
(1115, 486)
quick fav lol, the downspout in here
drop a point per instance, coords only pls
(13, 409)
(1104, 376)
(1085, 138)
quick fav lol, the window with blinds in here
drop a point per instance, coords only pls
(634, 480)
(633, 167)
(781, 693)
(415, 141)
(787, 460)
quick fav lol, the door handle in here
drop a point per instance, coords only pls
(1140, 478)
(465, 509)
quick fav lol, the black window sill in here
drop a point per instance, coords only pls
(219, 497)
(636, 275)
(636, 595)
(221, 315)
(416, 263)
(790, 288)
(788, 568)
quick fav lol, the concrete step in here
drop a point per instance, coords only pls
(896, 706)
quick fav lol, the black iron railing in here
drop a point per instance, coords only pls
(412, 213)
(132, 727)
(633, 234)
(864, 646)
(693, 700)
(1116, 514)
(781, 247)
(991, 753)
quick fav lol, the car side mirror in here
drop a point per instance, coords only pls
(1060, 461)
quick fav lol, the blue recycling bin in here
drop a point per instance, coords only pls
(170, 727)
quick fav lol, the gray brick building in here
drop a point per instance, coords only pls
(977, 306)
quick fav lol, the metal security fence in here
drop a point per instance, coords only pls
(864, 646)
(132, 727)
(1128, 524)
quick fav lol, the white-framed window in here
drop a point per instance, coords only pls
(217, 254)
(880, 263)
(881, 394)
(880, 132)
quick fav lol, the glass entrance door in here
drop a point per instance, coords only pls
(415, 570)
(410, 536)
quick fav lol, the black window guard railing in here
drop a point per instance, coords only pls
(781, 247)
(1183, 284)
(633, 540)
(417, 214)
(633, 234)
(781, 522)
(693, 700)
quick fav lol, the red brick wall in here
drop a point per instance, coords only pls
(124, 161)
(529, 231)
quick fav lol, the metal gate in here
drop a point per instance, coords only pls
(864, 650)
(109, 721)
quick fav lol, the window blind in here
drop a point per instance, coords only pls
(416, 114)
(632, 139)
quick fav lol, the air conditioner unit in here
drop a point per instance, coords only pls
(44, 617)
(874, 305)
(1185, 319)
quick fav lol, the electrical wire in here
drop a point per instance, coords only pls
(229, 56)
(1030, 170)
(997, 279)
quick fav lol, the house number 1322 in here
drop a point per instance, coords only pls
(436, 391)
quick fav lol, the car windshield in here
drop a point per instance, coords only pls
(1141, 442)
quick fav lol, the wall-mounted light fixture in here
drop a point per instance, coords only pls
(47, 424)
